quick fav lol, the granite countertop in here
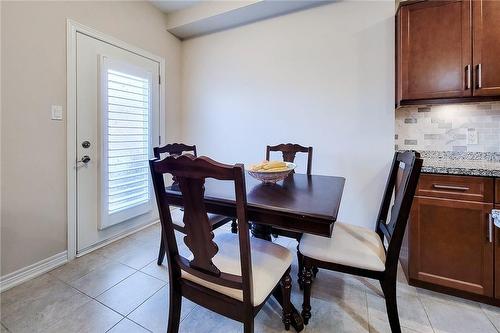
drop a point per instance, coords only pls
(461, 163)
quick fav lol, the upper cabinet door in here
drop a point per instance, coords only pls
(434, 57)
(486, 46)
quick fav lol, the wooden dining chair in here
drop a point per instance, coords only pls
(361, 251)
(214, 219)
(289, 152)
(231, 274)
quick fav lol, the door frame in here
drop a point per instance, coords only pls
(72, 28)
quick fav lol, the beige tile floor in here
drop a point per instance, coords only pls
(119, 288)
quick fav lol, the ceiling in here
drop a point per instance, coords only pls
(169, 6)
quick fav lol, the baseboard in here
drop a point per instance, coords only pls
(29, 272)
(43, 266)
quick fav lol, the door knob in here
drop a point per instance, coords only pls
(85, 159)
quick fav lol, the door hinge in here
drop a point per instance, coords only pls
(159, 140)
(159, 79)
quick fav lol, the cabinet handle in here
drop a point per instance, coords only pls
(467, 77)
(450, 187)
(479, 76)
(490, 228)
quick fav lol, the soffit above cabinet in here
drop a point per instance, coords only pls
(211, 16)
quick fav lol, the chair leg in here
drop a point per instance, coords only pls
(307, 282)
(234, 227)
(286, 287)
(248, 325)
(300, 262)
(315, 271)
(389, 289)
(174, 311)
(161, 253)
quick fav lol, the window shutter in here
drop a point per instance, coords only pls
(126, 134)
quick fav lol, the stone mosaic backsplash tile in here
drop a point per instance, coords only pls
(471, 127)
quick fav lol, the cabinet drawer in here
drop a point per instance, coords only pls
(456, 187)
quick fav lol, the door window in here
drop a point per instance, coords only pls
(126, 115)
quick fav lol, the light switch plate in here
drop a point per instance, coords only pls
(472, 138)
(57, 112)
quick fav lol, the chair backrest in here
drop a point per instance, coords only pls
(402, 182)
(191, 173)
(174, 149)
(289, 150)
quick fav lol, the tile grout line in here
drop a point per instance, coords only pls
(146, 298)
(189, 313)
(166, 282)
(119, 321)
(95, 298)
(367, 313)
(4, 327)
(92, 270)
(127, 316)
(488, 317)
(109, 287)
(119, 262)
(425, 310)
(131, 321)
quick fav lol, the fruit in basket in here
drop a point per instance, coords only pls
(269, 166)
(271, 171)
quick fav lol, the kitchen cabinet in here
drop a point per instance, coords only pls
(486, 46)
(451, 243)
(447, 51)
(451, 246)
(434, 49)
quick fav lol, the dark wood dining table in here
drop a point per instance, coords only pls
(300, 203)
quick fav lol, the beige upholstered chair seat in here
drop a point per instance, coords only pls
(269, 263)
(212, 218)
(349, 245)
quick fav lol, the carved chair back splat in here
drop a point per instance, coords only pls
(176, 149)
(289, 151)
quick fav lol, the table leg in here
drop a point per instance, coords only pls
(264, 232)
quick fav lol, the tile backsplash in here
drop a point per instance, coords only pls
(456, 127)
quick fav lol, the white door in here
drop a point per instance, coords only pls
(117, 126)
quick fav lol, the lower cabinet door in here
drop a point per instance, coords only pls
(451, 244)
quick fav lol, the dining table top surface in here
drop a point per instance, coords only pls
(307, 196)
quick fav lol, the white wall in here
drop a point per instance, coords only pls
(322, 77)
(33, 147)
